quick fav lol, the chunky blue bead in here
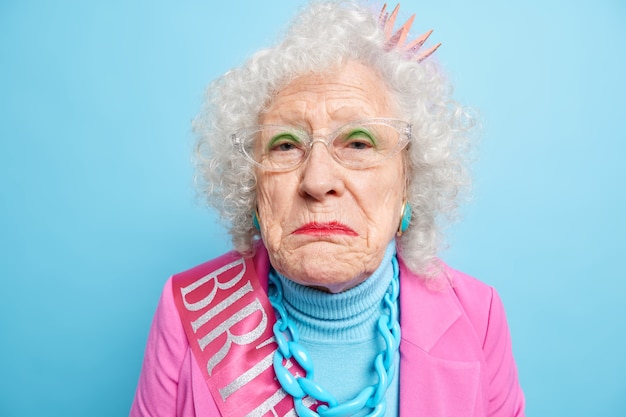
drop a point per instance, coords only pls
(286, 379)
(303, 358)
(314, 390)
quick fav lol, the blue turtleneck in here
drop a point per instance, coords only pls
(339, 331)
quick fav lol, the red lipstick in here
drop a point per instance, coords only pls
(325, 229)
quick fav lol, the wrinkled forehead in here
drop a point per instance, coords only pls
(325, 100)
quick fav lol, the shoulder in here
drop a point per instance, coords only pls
(167, 328)
(463, 306)
(448, 284)
(259, 262)
(167, 333)
(206, 268)
(476, 298)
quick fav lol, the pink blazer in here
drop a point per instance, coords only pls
(455, 354)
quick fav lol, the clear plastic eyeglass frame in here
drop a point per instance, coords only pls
(359, 144)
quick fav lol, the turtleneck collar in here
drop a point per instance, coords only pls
(349, 316)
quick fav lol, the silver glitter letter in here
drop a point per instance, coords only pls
(243, 339)
(217, 285)
(247, 376)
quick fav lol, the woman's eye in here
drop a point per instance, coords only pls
(359, 139)
(284, 142)
(359, 144)
(284, 146)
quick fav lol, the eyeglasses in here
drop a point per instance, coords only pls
(357, 145)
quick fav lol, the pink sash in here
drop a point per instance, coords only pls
(228, 321)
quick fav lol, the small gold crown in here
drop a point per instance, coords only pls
(411, 50)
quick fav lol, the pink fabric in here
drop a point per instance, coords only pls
(455, 355)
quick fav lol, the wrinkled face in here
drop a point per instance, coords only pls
(325, 225)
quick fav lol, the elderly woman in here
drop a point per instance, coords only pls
(332, 157)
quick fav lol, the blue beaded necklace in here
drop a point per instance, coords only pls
(305, 389)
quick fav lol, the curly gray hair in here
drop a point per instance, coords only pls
(322, 37)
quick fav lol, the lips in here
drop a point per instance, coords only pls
(325, 229)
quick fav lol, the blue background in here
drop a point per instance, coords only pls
(98, 207)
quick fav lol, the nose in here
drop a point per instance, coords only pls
(321, 174)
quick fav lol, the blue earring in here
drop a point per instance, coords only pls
(255, 220)
(405, 218)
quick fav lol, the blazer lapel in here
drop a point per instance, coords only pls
(435, 380)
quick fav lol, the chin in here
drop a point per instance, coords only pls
(326, 264)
